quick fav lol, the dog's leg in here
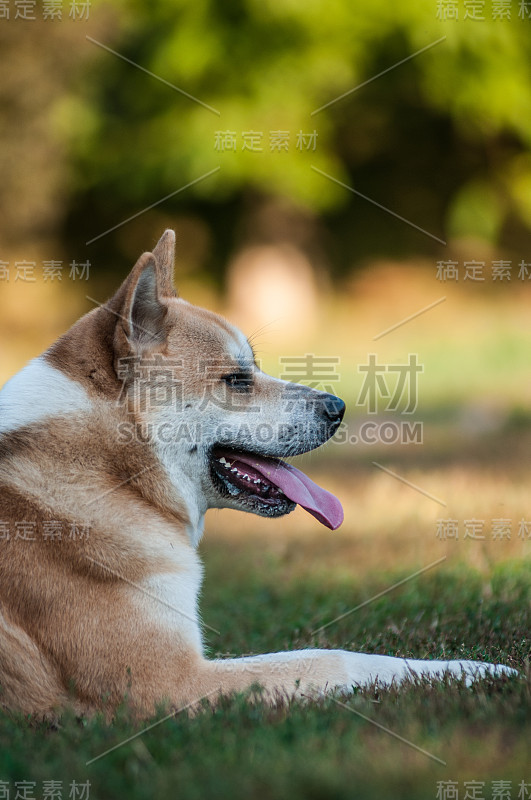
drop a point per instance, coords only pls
(315, 672)
(29, 681)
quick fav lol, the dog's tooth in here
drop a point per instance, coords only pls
(222, 460)
(257, 480)
(234, 469)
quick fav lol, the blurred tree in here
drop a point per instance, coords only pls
(443, 140)
(35, 61)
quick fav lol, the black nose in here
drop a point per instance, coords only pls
(333, 407)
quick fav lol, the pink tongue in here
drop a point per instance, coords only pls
(298, 487)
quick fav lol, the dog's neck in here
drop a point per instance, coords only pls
(77, 450)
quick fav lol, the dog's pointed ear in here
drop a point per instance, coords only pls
(143, 313)
(164, 253)
(141, 301)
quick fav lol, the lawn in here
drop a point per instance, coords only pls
(270, 584)
(321, 750)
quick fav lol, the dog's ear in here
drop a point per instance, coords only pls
(143, 312)
(140, 302)
(164, 253)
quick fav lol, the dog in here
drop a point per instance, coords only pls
(113, 445)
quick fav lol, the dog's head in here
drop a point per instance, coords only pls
(192, 391)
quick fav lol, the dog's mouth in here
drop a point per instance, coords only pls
(270, 487)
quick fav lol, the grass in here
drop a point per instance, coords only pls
(321, 750)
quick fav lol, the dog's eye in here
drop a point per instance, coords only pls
(239, 381)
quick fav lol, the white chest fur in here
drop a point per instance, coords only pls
(169, 600)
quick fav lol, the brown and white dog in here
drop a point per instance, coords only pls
(113, 445)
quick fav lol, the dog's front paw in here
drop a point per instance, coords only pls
(470, 670)
(361, 669)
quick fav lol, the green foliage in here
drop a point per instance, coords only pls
(456, 116)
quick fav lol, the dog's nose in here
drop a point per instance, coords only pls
(333, 407)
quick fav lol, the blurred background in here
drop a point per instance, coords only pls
(331, 169)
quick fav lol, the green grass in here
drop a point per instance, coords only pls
(321, 750)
